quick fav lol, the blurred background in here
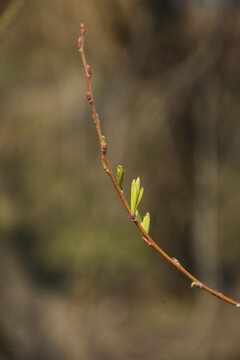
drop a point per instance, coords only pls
(77, 281)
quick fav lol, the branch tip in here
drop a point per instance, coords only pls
(82, 26)
(238, 305)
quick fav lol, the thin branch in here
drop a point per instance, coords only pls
(106, 165)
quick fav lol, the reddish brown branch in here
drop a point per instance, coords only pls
(149, 241)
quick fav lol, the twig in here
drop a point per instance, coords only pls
(106, 165)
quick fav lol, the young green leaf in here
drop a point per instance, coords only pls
(140, 196)
(136, 194)
(120, 175)
(146, 222)
(138, 185)
(133, 196)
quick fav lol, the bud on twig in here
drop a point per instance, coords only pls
(175, 260)
(120, 175)
(197, 284)
(89, 97)
(82, 27)
(79, 43)
(89, 71)
(133, 217)
(104, 144)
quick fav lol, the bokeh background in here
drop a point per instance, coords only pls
(77, 281)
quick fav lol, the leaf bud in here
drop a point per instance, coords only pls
(89, 70)
(79, 43)
(133, 217)
(120, 175)
(103, 144)
(89, 96)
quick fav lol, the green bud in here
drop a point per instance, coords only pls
(120, 175)
(146, 222)
(197, 284)
(104, 140)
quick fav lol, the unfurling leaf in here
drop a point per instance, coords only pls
(120, 175)
(139, 196)
(136, 194)
(146, 222)
(133, 196)
(138, 186)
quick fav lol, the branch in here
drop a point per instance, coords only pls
(136, 192)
